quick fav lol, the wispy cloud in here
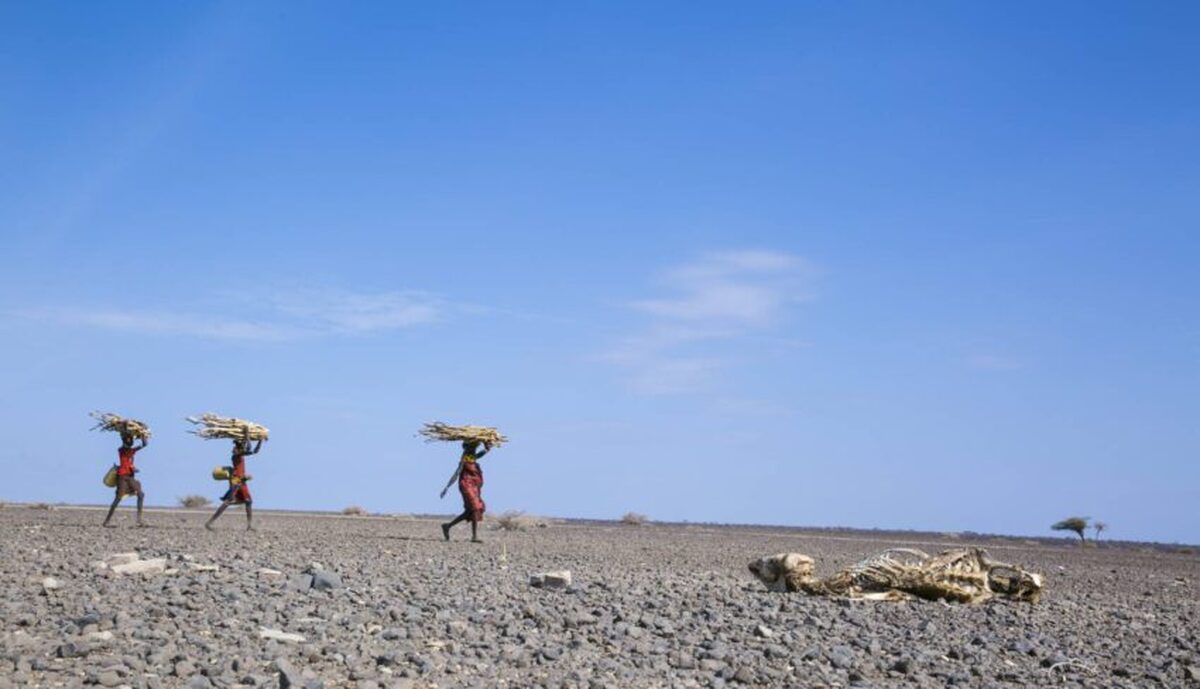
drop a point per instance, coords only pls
(707, 304)
(275, 316)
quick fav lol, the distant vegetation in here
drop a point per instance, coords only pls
(634, 519)
(515, 520)
(1098, 527)
(194, 501)
(1076, 524)
(354, 511)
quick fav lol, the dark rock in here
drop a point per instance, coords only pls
(325, 580)
(289, 676)
(841, 657)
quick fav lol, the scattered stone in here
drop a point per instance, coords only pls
(153, 566)
(763, 631)
(324, 580)
(280, 635)
(51, 584)
(552, 580)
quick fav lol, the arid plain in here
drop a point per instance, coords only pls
(312, 600)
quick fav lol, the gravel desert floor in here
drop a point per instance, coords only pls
(323, 600)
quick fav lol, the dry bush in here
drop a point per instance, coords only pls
(39, 506)
(354, 511)
(193, 501)
(634, 519)
(515, 520)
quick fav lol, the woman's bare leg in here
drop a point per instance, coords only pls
(112, 508)
(141, 498)
(448, 525)
(224, 505)
(249, 518)
(475, 531)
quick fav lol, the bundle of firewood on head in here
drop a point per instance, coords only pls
(107, 421)
(212, 426)
(479, 434)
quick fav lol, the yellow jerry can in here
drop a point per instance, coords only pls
(222, 473)
(110, 477)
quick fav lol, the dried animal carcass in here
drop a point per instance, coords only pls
(964, 575)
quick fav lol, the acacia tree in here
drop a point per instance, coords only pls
(1076, 524)
(1098, 526)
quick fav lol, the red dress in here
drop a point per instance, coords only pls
(470, 483)
(126, 483)
(238, 491)
(125, 454)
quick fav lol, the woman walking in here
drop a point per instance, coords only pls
(470, 483)
(239, 492)
(126, 483)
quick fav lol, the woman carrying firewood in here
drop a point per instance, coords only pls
(239, 492)
(470, 484)
(126, 483)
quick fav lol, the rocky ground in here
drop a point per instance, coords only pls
(366, 602)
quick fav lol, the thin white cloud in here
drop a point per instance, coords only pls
(162, 323)
(359, 313)
(740, 288)
(277, 316)
(710, 303)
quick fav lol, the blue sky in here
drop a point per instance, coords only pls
(900, 265)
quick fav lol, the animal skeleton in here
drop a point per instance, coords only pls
(964, 575)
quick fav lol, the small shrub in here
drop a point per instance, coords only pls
(194, 501)
(1076, 524)
(634, 519)
(39, 506)
(354, 511)
(514, 520)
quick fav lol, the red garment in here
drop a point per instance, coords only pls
(238, 491)
(470, 483)
(126, 455)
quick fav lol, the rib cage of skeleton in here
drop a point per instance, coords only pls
(965, 575)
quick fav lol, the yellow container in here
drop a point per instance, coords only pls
(110, 478)
(222, 473)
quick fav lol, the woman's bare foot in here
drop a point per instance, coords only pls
(109, 526)
(477, 540)
(208, 525)
(446, 531)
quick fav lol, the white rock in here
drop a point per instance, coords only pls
(267, 572)
(156, 565)
(99, 637)
(51, 584)
(552, 580)
(763, 631)
(121, 559)
(203, 568)
(280, 635)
